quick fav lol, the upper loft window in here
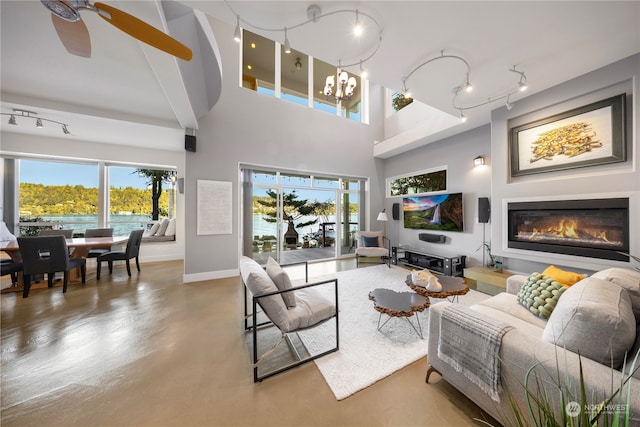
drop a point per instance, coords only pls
(267, 69)
(427, 181)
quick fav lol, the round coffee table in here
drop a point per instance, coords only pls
(398, 304)
(451, 287)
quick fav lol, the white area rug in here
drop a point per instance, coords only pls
(367, 355)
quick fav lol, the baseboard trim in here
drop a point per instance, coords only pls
(210, 275)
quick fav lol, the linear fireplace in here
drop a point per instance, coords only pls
(596, 228)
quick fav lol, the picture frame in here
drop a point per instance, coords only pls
(590, 135)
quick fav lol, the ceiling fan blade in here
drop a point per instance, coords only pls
(74, 36)
(143, 31)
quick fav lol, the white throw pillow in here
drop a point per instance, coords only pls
(154, 229)
(163, 227)
(171, 228)
(282, 281)
(627, 279)
(593, 318)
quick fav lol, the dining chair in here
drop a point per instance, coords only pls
(97, 232)
(67, 233)
(7, 266)
(58, 260)
(132, 251)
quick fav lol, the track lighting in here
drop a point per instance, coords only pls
(32, 115)
(298, 64)
(357, 29)
(287, 45)
(466, 85)
(478, 161)
(314, 14)
(237, 33)
(363, 72)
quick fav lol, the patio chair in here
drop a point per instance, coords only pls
(373, 244)
(56, 261)
(308, 309)
(132, 251)
(97, 232)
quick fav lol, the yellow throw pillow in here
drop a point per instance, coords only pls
(567, 278)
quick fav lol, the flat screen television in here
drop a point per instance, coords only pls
(438, 212)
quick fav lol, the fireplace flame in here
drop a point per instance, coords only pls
(565, 228)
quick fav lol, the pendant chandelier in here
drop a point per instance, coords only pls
(345, 88)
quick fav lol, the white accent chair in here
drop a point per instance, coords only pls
(287, 307)
(373, 244)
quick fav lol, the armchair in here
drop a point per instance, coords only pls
(373, 244)
(304, 308)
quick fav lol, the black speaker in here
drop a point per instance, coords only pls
(395, 212)
(432, 238)
(484, 210)
(190, 143)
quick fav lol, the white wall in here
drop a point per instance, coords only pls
(617, 179)
(27, 145)
(247, 127)
(457, 154)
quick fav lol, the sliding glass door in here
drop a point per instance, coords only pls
(298, 217)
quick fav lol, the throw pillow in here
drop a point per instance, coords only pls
(163, 227)
(629, 280)
(540, 294)
(567, 278)
(370, 242)
(171, 228)
(154, 229)
(282, 281)
(594, 319)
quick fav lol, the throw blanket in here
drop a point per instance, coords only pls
(470, 343)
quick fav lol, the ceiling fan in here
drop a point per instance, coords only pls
(75, 37)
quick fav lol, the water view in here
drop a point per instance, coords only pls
(122, 224)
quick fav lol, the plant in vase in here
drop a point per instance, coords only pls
(486, 246)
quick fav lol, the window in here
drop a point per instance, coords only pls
(68, 195)
(418, 182)
(294, 77)
(258, 63)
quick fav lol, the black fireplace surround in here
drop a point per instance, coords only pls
(595, 228)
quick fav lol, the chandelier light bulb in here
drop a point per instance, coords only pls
(467, 86)
(463, 118)
(344, 77)
(522, 86)
(330, 82)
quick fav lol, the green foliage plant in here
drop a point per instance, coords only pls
(399, 101)
(553, 408)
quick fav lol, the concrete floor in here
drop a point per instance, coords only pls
(152, 351)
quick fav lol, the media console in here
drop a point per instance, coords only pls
(448, 266)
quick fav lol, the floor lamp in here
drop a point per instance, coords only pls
(382, 216)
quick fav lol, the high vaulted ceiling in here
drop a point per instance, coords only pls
(123, 81)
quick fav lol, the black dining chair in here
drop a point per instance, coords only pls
(58, 260)
(7, 266)
(67, 233)
(97, 232)
(132, 251)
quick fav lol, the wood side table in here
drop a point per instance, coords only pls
(398, 304)
(451, 287)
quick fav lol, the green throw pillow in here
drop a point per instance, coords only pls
(540, 294)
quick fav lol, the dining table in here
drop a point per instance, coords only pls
(78, 246)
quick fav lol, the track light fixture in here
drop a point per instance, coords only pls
(314, 14)
(237, 34)
(287, 45)
(32, 115)
(466, 86)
